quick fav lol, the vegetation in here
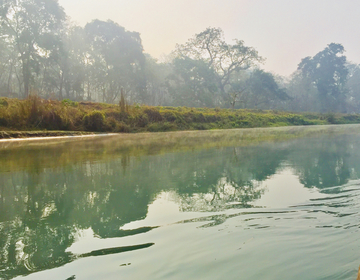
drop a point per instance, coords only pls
(42, 54)
(35, 113)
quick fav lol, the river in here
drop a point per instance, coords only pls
(272, 203)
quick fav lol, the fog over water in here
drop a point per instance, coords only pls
(130, 207)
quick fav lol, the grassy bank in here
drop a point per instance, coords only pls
(34, 114)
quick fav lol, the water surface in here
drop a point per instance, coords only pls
(241, 204)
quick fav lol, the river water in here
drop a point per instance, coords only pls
(240, 204)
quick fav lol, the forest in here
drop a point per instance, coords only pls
(43, 54)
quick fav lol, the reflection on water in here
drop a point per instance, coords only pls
(54, 195)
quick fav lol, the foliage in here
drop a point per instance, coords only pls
(192, 83)
(94, 121)
(35, 113)
(225, 60)
(327, 70)
(3, 102)
(32, 29)
(263, 90)
(117, 59)
(353, 88)
(42, 54)
(68, 102)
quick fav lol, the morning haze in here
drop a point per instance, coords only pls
(253, 172)
(279, 55)
(282, 31)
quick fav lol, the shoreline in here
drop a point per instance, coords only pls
(22, 136)
(50, 136)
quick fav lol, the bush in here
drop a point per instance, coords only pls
(160, 127)
(352, 118)
(68, 102)
(122, 127)
(3, 102)
(297, 120)
(330, 117)
(169, 116)
(111, 124)
(51, 120)
(153, 115)
(94, 121)
(141, 120)
(3, 121)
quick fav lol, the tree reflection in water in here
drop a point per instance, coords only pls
(43, 206)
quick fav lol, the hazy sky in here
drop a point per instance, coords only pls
(283, 31)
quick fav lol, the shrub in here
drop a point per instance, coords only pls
(124, 116)
(297, 120)
(159, 127)
(94, 121)
(199, 117)
(68, 102)
(51, 120)
(200, 126)
(330, 117)
(169, 116)
(35, 111)
(351, 118)
(153, 115)
(3, 102)
(122, 127)
(141, 120)
(111, 124)
(3, 121)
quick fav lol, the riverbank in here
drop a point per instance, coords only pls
(41, 133)
(36, 117)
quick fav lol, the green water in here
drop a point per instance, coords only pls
(241, 204)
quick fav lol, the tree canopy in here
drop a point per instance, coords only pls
(327, 70)
(42, 53)
(222, 58)
(31, 28)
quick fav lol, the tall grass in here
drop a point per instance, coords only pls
(35, 113)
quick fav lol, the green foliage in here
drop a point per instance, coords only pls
(68, 102)
(141, 120)
(169, 116)
(263, 91)
(33, 29)
(118, 60)
(330, 118)
(192, 83)
(35, 113)
(327, 69)
(94, 121)
(3, 102)
(153, 115)
(161, 127)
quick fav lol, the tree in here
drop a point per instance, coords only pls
(32, 27)
(263, 89)
(156, 73)
(224, 59)
(353, 88)
(192, 83)
(327, 70)
(117, 60)
(303, 93)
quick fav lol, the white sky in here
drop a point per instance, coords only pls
(283, 31)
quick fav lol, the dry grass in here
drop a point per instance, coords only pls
(35, 113)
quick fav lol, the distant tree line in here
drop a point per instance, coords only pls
(42, 53)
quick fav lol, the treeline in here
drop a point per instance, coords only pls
(42, 53)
